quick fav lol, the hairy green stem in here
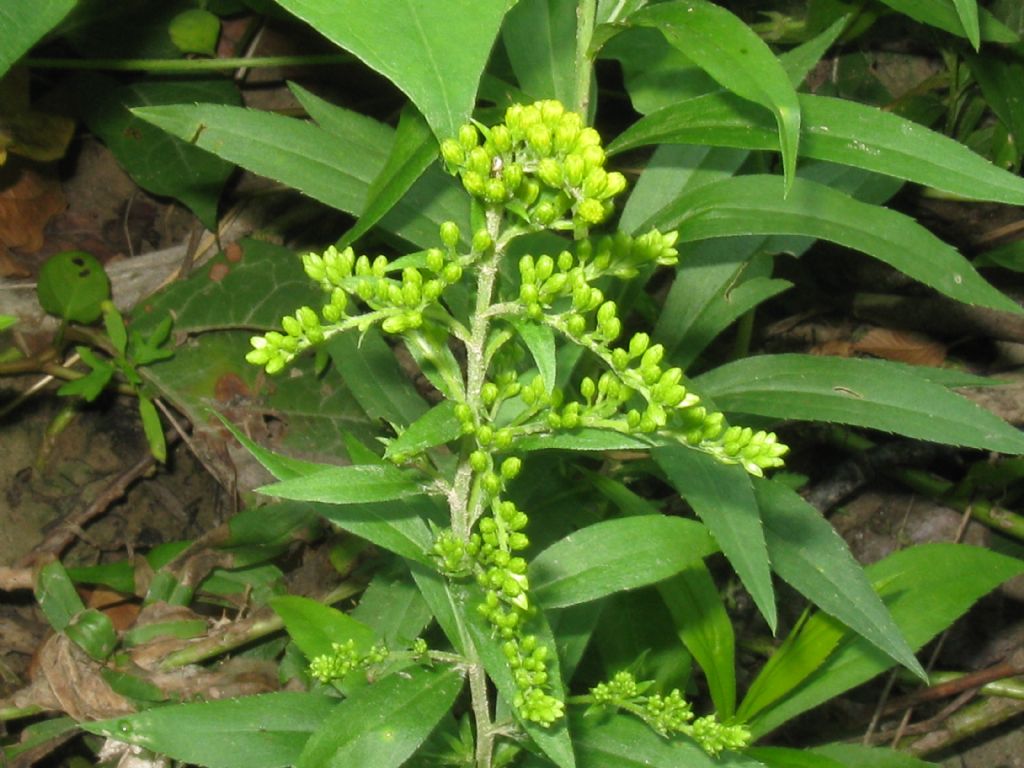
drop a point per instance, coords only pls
(187, 66)
(586, 13)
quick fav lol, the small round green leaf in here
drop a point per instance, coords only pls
(72, 285)
(195, 31)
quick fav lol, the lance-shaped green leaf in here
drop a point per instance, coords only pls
(721, 495)
(436, 427)
(336, 169)
(806, 551)
(381, 725)
(21, 26)
(412, 152)
(315, 627)
(967, 10)
(946, 14)
(433, 51)
(728, 50)
(867, 393)
(749, 205)
(354, 484)
(266, 731)
(540, 38)
(926, 588)
(836, 130)
(616, 555)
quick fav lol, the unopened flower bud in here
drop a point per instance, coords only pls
(452, 153)
(450, 234)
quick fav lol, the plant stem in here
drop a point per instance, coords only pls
(187, 66)
(586, 12)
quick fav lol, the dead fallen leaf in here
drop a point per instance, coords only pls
(28, 200)
(833, 348)
(901, 346)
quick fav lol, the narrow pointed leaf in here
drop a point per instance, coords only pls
(315, 627)
(751, 205)
(926, 588)
(540, 39)
(335, 169)
(868, 393)
(967, 10)
(21, 26)
(436, 427)
(412, 152)
(836, 130)
(381, 725)
(722, 497)
(807, 552)
(616, 555)
(944, 14)
(433, 51)
(265, 731)
(706, 630)
(540, 340)
(728, 50)
(355, 484)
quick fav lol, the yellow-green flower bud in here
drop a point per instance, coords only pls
(545, 267)
(468, 137)
(313, 265)
(482, 241)
(484, 434)
(291, 326)
(606, 312)
(551, 112)
(616, 183)
(489, 393)
(595, 183)
(620, 359)
(451, 274)
(638, 344)
(479, 161)
(593, 156)
(452, 153)
(539, 138)
(501, 138)
(529, 191)
(274, 365)
(512, 175)
(590, 211)
(394, 324)
(307, 317)
(411, 294)
(545, 213)
(491, 484)
(588, 138)
(380, 266)
(653, 356)
(435, 260)
(565, 136)
(432, 290)
(587, 388)
(503, 438)
(565, 261)
(494, 191)
(449, 234)
(549, 170)
(510, 467)
(479, 462)
(474, 183)
(528, 293)
(576, 325)
(574, 169)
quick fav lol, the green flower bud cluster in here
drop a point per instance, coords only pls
(668, 714)
(397, 303)
(669, 408)
(542, 163)
(543, 280)
(343, 659)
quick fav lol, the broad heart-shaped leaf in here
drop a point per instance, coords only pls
(73, 286)
(265, 731)
(754, 205)
(616, 555)
(944, 15)
(721, 496)
(158, 162)
(806, 551)
(335, 168)
(728, 50)
(926, 588)
(837, 130)
(21, 26)
(381, 725)
(354, 484)
(315, 627)
(868, 393)
(433, 50)
(540, 39)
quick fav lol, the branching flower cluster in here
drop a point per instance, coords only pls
(541, 169)
(667, 714)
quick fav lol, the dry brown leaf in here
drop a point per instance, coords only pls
(833, 348)
(28, 200)
(901, 346)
